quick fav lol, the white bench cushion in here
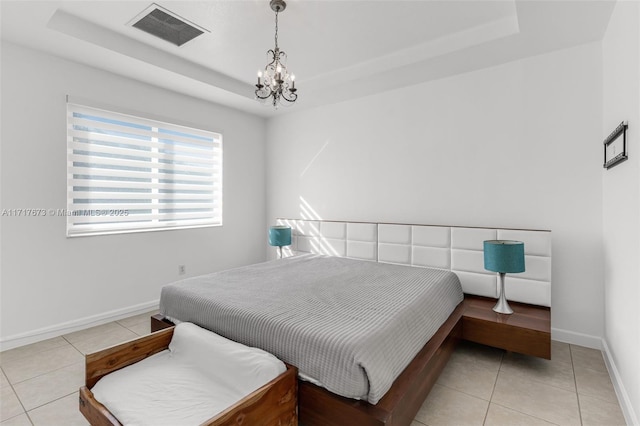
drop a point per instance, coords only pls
(200, 375)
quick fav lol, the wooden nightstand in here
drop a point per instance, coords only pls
(526, 331)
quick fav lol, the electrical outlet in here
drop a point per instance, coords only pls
(182, 269)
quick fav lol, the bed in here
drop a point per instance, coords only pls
(349, 326)
(395, 398)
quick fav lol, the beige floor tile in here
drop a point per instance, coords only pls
(503, 416)
(63, 411)
(93, 332)
(3, 380)
(141, 329)
(595, 383)
(465, 375)
(104, 340)
(9, 404)
(587, 358)
(560, 352)
(596, 412)
(530, 368)
(32, 349)
(21, 420)
(51, 386)
(446, 406)
(537, 399)
(417, 423)
(137, 319)
(22, 369)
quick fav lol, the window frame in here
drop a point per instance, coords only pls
(165, 154)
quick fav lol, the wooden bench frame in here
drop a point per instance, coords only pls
(274, 404)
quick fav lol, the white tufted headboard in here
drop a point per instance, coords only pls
(458, 249)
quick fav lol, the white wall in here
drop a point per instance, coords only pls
(518, 145)
(49, 280)
(621, 205)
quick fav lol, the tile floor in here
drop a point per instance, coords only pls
(480, 385)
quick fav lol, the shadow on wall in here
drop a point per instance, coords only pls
(307, 235)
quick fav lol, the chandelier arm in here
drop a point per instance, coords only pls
(292, 96)
(263, 97)
(274, 56)
(267, 92)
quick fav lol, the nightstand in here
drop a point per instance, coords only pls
(526, 331)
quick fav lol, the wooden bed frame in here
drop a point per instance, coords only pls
(455, 248)
(399, 406)
(274, 404)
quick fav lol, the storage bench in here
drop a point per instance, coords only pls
(170, 353)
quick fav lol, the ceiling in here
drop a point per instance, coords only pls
(338, 49)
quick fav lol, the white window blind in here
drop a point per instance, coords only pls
(131, 174)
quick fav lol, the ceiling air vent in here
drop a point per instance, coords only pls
(166, 25)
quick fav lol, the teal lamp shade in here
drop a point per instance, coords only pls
(279, 236)
(504, 256)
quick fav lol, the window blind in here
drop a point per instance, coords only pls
(132, 174)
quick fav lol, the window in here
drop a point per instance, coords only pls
(131, 174)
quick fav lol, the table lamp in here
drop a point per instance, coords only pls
(503, 256)
(279, 236)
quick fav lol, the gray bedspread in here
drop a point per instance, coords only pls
(351, 325)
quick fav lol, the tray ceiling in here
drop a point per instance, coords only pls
(338, 49)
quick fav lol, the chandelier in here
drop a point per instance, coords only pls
(275, 82)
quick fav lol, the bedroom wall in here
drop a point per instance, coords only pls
(517, 145)
(621, 207)
(50, 283)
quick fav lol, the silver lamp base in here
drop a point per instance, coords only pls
(502, 306)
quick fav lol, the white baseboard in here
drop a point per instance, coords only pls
(575, 338)
(623, 397)
(56, 330)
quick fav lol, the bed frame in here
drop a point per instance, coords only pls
(459, 249)
(274, 404)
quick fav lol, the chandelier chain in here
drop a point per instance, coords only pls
(276, 30)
